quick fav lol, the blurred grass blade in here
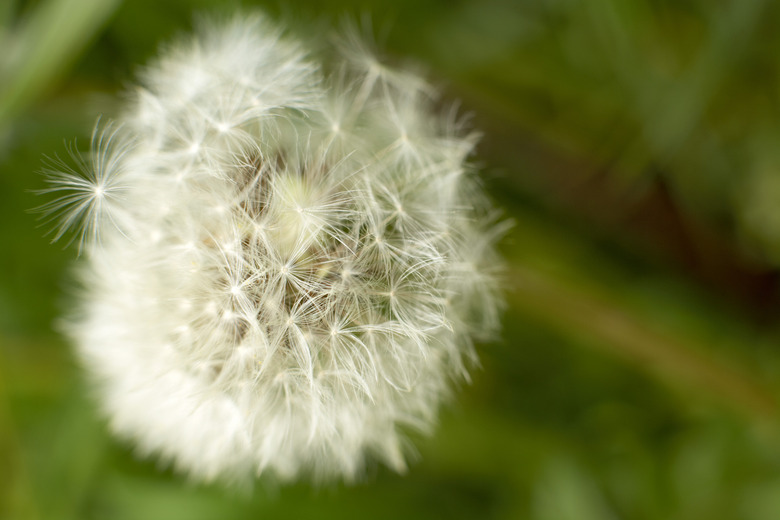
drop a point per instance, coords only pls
(685, 366)
(566, 492)
(43, 45)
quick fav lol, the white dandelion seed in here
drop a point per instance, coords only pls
(284, 266)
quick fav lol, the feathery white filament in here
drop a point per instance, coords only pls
(295, 268)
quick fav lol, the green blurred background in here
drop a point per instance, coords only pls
(636, 146)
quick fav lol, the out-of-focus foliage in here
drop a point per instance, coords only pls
(636, 145)
(39, 43)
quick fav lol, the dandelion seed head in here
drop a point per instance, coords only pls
(286, 263)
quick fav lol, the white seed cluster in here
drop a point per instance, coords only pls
(285, 263)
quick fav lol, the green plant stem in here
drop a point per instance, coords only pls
(544, 298)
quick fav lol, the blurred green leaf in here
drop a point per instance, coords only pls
(42, 45)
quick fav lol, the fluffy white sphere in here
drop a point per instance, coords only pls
(285, 263)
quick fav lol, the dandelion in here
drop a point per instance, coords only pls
(285, 263)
